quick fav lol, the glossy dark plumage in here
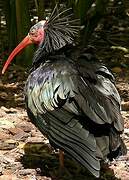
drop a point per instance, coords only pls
(74, 102)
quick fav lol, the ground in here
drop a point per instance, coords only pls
(25, 154)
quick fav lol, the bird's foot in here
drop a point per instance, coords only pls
(64, 172)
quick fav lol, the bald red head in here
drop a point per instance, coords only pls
(36, 35)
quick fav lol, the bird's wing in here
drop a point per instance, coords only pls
(65, 103)
(100, 100)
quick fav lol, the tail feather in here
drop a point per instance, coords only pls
(102, 147)
(111, 146)
(81, 156)
(116, 144)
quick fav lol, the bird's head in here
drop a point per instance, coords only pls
(51, 34)
(36, 35)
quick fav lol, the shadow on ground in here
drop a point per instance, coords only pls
(39, 156)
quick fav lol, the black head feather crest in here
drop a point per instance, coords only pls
(61, 29)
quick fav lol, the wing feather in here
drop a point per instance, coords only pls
(68, 101)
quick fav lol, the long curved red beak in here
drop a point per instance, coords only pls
(25, 42)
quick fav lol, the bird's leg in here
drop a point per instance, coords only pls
(62, 170)
(61, 159)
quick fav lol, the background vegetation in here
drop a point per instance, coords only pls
(23, 150)
(106, 25)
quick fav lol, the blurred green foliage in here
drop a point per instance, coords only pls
(19, 15)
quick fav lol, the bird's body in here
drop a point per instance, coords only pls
(76, 104)
(73, 101)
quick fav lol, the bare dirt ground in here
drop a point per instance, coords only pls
(25, 154)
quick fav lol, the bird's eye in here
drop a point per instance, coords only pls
(32, 32)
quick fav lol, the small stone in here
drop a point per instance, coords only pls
(125, 106)
(38, 170)
(6, 124)
(1, 169)
(4, 108)
(46, 178)
(38, 134)
(1, 83)
(21, 136)
(8, 144)
(15, 130)
(25, 127)
(34, 139)
(19, 99)
(11, 110)
(4, 136)
(10, 76)
(117, 70)
(3, 95)
(126, 131)
(37, 148)
(21, 145)
(8, 177)
(7, 172)
(25, 172)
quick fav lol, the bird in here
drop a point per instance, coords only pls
(71, 98)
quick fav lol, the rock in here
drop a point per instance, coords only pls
(21, 136)
(4, 108)
(3, 95)
(37, 133)
(1, 83)
(127, 144)
(1, 169)
(37, 148)
(6, 160)
(126, 131)
(19, 99)
(25, 127)
(6, 124)
(7, 172)
(25, 172)
(8, 177)
(8, 144)
(30, 178)
(15, 130)
(34, 139)
(12, 85)
(46, 178)
(4, 136)
(10, 76)
(21, 145)
(10, 110)
(117, 70)
(125, 106)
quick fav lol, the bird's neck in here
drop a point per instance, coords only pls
(42, 55)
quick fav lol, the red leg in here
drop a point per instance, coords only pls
(61, 158)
